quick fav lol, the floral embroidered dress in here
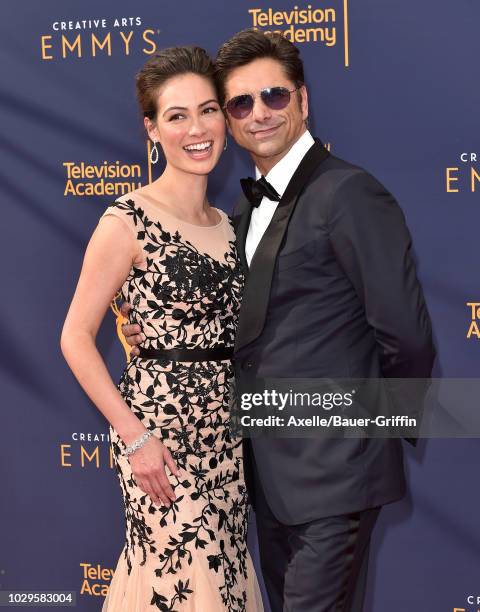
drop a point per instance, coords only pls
(185, 287)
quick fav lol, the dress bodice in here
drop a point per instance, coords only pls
(185, 287)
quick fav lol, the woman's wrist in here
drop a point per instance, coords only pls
(138, 443)
(132, 432)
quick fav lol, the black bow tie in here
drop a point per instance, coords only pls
(256, 190)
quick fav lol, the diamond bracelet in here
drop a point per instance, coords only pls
(137, 444)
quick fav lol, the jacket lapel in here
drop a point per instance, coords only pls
(258, 283)
(241, 223)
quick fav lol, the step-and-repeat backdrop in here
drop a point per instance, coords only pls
(393, 87)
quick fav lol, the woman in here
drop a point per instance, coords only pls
(173, 256)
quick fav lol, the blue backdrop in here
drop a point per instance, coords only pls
(392, 87)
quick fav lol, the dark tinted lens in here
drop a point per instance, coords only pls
(276, 98)
(240, 106)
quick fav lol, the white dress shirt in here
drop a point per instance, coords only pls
(279, 177)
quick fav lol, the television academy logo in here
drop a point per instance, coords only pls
(84, 179)
(474, 312)
(310, 24)
(95, 579)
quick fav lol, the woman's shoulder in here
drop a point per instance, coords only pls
(222, 213)
(225, 218)
(125, 202)
(130, 217)
(125, 206)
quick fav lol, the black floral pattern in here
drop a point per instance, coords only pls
(184, 298)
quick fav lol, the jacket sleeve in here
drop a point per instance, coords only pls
(372, 244)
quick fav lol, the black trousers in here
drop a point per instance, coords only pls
(320, 566)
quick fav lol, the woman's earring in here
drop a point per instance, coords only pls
(226, 144)
(154, 153)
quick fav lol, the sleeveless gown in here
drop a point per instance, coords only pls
(185, 292)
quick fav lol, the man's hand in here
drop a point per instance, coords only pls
(132, 333)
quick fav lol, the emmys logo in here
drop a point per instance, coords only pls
(97, 38)
(86, 450)
(463, 177)
(472, 600)
(94, 578)
(474, 311)
(312, 24)
(109, 179)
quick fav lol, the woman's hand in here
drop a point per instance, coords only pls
(148, 468)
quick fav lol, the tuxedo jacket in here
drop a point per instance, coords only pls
(331, 292)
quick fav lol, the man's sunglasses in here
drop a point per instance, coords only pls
(275, 98)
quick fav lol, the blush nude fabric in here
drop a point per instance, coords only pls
(185, 287)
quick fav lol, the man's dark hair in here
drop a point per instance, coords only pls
(249, 45)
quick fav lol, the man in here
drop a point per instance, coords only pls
(331, 291)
